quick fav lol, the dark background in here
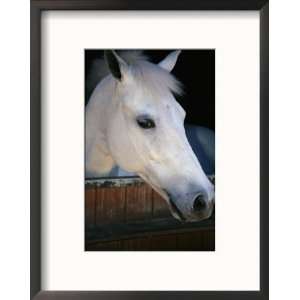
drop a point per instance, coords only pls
(196, 70)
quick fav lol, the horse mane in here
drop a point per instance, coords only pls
(154, 78)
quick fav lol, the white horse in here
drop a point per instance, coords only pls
(202, 141)
(133, 121)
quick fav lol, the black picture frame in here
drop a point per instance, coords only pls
(37, 7)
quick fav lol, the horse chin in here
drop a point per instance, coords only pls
(175, 211)
(160, 191)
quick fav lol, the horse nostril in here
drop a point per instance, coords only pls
(199, 203)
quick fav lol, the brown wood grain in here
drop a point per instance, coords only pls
(90, 206)
(202, 240)
(163, 242)
(138, 244)
(106, 246)
(110, 205)
(136, 218)
(160, 206)
(138, 202)
(100, 194)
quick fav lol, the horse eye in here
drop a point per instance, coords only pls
(145, 123)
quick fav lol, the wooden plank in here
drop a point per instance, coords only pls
(201, 240)
(90, 206)
(165, 242)
(110, 232)
(138, 244)
(100, 194)
(138, 202)
(160, 206)
(123, 181)
(189, 241)
(210, 240)
(114, 181)
(110, 205)
(104, 246)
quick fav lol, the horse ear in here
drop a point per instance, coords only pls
(115, 63)
(169, 62)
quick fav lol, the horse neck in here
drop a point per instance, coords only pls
(99, 107)
(97, 114)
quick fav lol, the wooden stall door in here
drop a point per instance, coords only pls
(130, 215)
